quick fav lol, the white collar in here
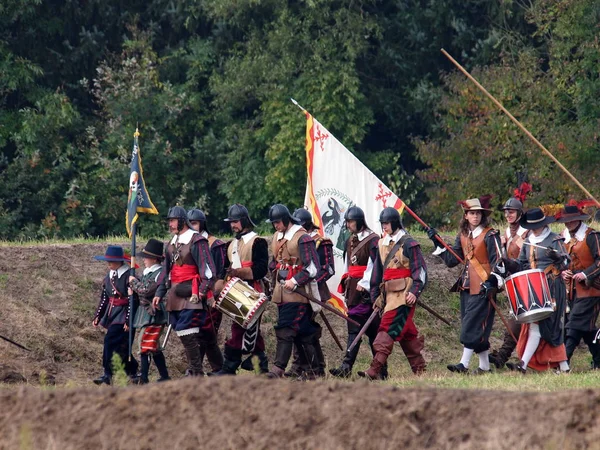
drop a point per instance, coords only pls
(580, 235)
(152, 268)
(289, 234)
(120, 271)
(185, 237)
(204, 234)
(363, 234)
(520, 231)
(476, 232)
(537, 239)
(246, 237)
(394, 238)
(314, 233)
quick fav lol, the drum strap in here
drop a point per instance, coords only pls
(235, 255)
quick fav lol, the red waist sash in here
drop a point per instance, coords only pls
(353, 272)
(119, 301)
(356, 271)
(186, 272)
(255, 283)
(393, 274)
(292, 270)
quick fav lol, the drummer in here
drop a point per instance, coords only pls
(247, 258)
(479, 245)
(541, 344)
(583, 245)
(512, 241)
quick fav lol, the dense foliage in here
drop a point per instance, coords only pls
(208, 84)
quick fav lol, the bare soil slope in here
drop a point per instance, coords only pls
(249, 412)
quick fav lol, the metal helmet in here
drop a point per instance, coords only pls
(302, 216)
(354, 213)
(280, 212)
(239, 212)
(197, 215)
(179, 212)
(513, 203)
(392, 216)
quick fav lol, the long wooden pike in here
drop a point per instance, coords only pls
(14, 343)
(329, 327)
(433, 312)
(364, 329)
(324, 305)
(517, 123)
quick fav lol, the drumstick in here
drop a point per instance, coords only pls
(535, 245)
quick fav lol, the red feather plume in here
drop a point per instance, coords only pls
(522, 191)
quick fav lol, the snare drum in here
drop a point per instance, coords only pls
(241, 302)
(529, 296)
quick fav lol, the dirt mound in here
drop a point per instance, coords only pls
(247, 412)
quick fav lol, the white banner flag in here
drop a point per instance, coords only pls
(336, 181)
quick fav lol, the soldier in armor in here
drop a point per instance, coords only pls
(478, 245)
(301, 367)
(151, 322)
(210, 332)
(360, 252)
(512, 241)
(187, 281)
(541, 344)
(295, 266)
(583, 245)
(113, 313)
(398, 278)
(247, 258)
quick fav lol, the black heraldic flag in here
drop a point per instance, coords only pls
(138, 200)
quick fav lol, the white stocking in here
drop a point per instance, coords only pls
(466, 356)
(484, 360)
(533, 340)
(564, 366)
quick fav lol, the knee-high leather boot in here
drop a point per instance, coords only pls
(193, 354)
(233, 359)
(383, 347)
(345, 369)
(412, 350)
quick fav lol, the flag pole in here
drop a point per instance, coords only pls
(298, 105)
(131, 297)
(517, 123)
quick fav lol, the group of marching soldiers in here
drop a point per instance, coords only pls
(569, 261)
(383, 280)
(183, 278)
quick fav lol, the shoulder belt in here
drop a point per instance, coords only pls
(394, 250)
(477, 264)
(362, 243)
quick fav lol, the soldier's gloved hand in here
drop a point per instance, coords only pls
(553, 255)
(511, 265)
(489, 287)
(433, 235)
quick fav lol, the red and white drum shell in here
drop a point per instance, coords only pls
(529, 296)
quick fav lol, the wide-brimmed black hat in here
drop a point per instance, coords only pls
(535, 218)
(571, 213)
(114, 253)
(153, 249)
